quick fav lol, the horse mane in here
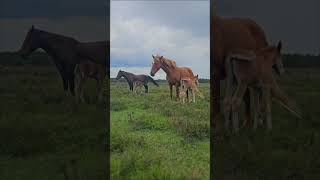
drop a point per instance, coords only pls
(54, 34)
(170, 63)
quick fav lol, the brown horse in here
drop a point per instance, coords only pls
(228, 34)
(86, 70)
(65, 51)
(174, 73)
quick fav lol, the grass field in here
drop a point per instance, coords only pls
(43, 134)
(154, 137)
(289, 151)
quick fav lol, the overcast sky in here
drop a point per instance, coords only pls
(294, 22)
(82, 19)
(178, 30)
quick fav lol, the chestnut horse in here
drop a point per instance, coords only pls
(228, 34)
(174, 73)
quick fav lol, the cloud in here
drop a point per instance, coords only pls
(134, 38)
(13, 31)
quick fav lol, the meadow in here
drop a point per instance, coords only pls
(44, 135)
(289, 151)
(154, 137)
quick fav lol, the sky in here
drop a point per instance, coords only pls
(177, 30)
(82, 19)
(294, 22)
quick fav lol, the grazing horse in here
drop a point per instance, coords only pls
(131, 78)
(65, 51)
(86, 70)
(228, 34)
(174, 73)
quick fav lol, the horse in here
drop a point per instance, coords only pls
(190, 84)
(137, 85)
(174, 73)
(246, 69)
(86, 70)
(65, 51)
(130, 77)
(227, 34)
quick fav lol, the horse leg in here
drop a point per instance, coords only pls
(193, 95)
(77, 87)
(131, 86)
(81, 87)
(70, 72)
(146, 88)
(246, 99)
(236, 103)
(177, 91)
(267, 96)
(170, 86)
(215, 94)
(99, 90)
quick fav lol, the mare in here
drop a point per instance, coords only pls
(174, 73)
(131, 78)
(65, 51)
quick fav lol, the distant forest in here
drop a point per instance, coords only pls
(42, 59)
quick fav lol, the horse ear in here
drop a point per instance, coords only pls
(279, 46)
(197, 75)
(152, 56)
(32, 27)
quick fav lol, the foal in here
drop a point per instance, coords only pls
(85, 70)
(137, 85)
(189, 84)
(251, 70)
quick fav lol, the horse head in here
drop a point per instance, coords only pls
(119, 74)
(156, 64)
(273, 55)
(30, 43)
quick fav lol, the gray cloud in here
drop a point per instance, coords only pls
(140, 29)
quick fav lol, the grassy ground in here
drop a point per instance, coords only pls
(289, 151)
(154, 137)
(43, 133)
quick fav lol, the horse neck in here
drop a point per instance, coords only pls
(125, 75)
(166, 68)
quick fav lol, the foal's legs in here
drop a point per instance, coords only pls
(267, 95)
(193, 95)
(81, 87)
(236, 103)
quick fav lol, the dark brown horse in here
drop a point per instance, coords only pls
(86, 70)
(131, 78)
(228, 34)
(174, 73)
(65, 51)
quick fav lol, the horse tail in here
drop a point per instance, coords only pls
(152, 80)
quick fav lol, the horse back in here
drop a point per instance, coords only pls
(234, 33)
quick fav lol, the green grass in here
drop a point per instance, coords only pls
(154, 137)
(43, 132)
(289, 151)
